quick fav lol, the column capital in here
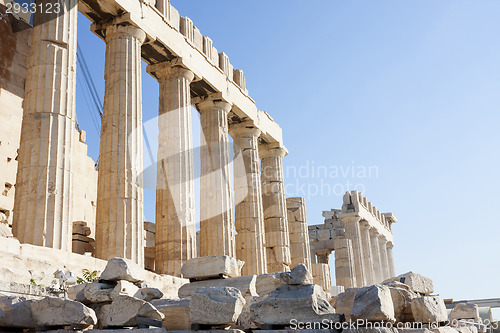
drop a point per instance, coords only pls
(365, 224)
(390, 244)
(170, 69)
(374, 232)
(273, 149)
(350, 218)
(212, 101)
(244, 129)
(112, 31)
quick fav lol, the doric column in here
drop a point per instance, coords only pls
(42, 205)
(300, 249)
(345, 272)
(377, 270)
(367, 252)
(384, 268)
(353, 232)
(120, 202)
(274, 205)
(175, 236)
(390, 259)
(249, 218)
(216, 200)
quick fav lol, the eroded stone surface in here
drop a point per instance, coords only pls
(418, 283)
(122, 269)
(297, 276)
(176, 312)
(465, 311)
(245, 284)
(212, 266)
(373, 303)
(16, 312)
(216, 306)
(52, 311)
(127, 311)
(148, 294)
(344, 302)
(429, 309)
(266, 283)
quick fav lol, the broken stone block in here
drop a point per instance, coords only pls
(176, 312)
(53, 311)
(465, 311)
(129, 311)
(373, 303)
(97, 292)
(401, 298)
(344, 302)
(244, 321)
(212, 267)
(297, 276)
(429, 309)
(124, 287)
(287, 302)
(245, 284)
(266, 283)
(417, 283)
(216, 306)
(75, 293)
(122, 269)
(16, 312)
(148, 294)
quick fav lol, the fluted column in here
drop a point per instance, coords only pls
(345, 272)
(42, 205)
(274, 205)
(377, 270)
(390, 259)
(353, 232)
(216, 200)
(249, 217)
(384, 267)
(175, 236)
(120, 199)
(367, 252)
(300, 249)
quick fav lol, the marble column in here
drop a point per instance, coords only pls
(353, 232)
(300, 249)
(274, 205)
(217, 229)
(249, 217)
(42, 206)
(384, 267)
(377, 271)
(120, 199)
(390, 259)
(175, 238)
(367, 252)
(345, 272)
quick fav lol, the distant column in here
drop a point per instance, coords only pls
(249, 217)
(43, 197)
(120, 202)
(390, 259)
(367, 252)
(353, 232)
(274, 204)
(175, 236)
(300, 249)
(377, 270)
(345, 272)
(216, 200)
(384, 267)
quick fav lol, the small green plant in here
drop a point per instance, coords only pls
(33, 283)
(87, 276)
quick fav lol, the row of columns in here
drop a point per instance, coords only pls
(372, 259)
(43, 195)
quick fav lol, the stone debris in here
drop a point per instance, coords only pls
(288, 302)
(245, 284)
(429, 309)
(53, 311)
(216, 306)
(465, 311)
(176, 312)
(417, 283)
(297, 276)
(122, 269)
(373, 303)
(148, 294)
(266, 283)
(212, 267)
(401, 298)
(129, 311)
(344, 302)
(16, 312)
(245, 320)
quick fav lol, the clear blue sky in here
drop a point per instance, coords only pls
(409, 88)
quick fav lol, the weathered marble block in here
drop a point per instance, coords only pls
(212, 267)
(216, 306)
